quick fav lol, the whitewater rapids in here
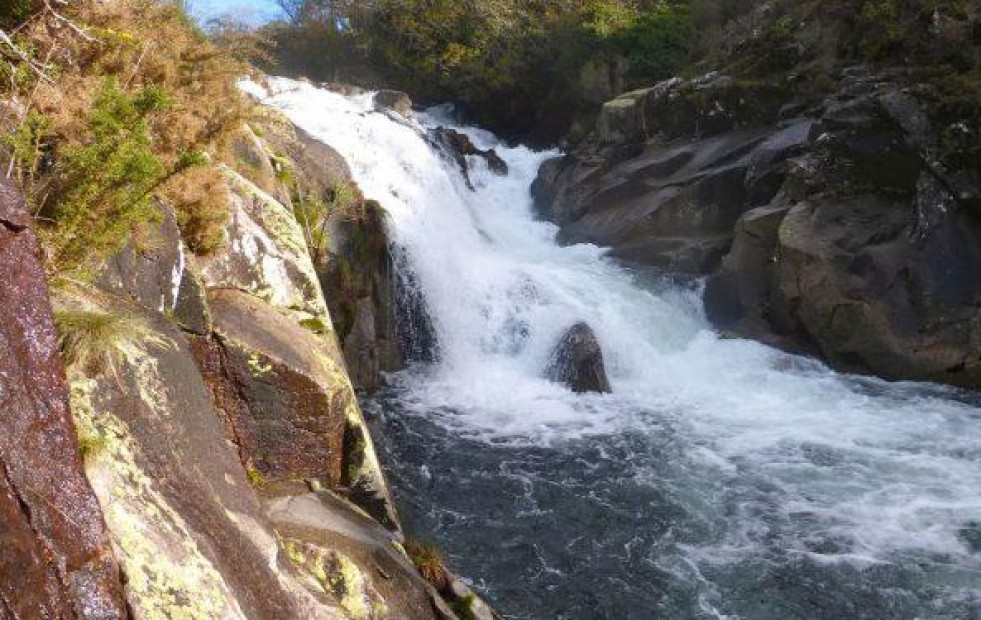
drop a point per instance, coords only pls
(721, 479)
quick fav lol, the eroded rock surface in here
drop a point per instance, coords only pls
(56, 561)
(458, 147)
(847, 226)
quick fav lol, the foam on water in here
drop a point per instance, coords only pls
(885, 472)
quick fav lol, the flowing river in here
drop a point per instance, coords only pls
(722, 479)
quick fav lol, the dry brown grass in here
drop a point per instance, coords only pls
(138, 43)
(429, 563)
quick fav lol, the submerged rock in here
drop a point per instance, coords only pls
(577, 361)
(458, 147)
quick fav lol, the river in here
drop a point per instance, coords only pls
(722, 479)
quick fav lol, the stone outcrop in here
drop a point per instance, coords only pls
(185, 523)
(354, 267)
(458, 147)
(301, 346)
(394, 100)
(216, 421)
(577, 361)
(845, 226)
(56, 560)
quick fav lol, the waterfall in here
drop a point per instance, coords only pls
(777, 460)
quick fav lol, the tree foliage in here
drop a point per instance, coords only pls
(521, 65)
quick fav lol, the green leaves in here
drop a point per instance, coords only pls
(108, 179)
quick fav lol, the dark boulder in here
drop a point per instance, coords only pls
(577, 361)
(458, 146)
(56, 561)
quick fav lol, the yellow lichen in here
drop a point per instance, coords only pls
(167, 576)
(338, 576)
(257, 367)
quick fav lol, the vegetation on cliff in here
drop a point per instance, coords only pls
(530, 69)
(107, 105)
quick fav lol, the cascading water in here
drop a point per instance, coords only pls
(722, 479)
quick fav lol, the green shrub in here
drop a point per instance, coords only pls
(463, 607)
(107, 181)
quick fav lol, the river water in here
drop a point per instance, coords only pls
(722, 479)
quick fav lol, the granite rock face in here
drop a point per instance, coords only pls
(229, 382)
(56, 560)
(847, 227)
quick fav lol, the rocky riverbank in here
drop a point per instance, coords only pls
(205, 451)
(845, 226)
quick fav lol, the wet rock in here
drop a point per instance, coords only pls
(281, 391)
(56, 561)
(577, 361)
(673, 207)
(464, 597)
(737, 296)
(843, 227)
(371, 578)
(418, 340)
(358, 283)
(851, 279)
(394, 100)
(458, 146)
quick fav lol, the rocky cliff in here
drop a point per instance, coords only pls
(205, 455)
(846, 226)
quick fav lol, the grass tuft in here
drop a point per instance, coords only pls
(99, 341)
(429, 563)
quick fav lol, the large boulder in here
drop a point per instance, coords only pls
(669, 171)
(577, 361)
(56, 560)
(184, 520)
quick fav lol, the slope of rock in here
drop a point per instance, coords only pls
(217, 403)
(56, 561)
(847, 227)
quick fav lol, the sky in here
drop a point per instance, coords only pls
(252, 11)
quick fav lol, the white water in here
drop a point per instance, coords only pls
(900, 475)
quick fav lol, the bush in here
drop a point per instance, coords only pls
(129, 102)
(104, 184)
